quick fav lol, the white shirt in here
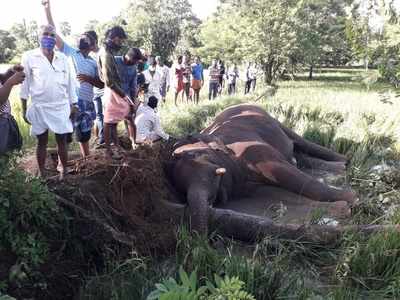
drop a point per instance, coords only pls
(52, 89)
(148, 125)
(154, 82)
(48, 84)
(164, 71)
(232, 75)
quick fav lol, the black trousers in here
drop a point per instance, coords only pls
(247, 87)
(231, 88)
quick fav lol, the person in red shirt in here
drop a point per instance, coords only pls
(178, 79)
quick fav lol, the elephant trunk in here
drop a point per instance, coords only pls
(197, 198)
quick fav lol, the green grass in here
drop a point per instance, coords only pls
(341, 109)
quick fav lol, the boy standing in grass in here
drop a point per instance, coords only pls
(153, 79)
(187, 74)
(198, 78)
(248, 79)
(165, 80)
(178, 77)
(233, 75)
(214, 74)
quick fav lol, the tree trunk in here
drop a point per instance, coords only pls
(268, 73)
(310, 74)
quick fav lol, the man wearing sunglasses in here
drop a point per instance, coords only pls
(51, 87)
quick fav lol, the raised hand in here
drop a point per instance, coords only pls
(17, 78)
(18, 68)
(46, 3)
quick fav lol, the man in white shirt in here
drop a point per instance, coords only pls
(51, 87)
(165, 79)
(153, 80)
(148, 125)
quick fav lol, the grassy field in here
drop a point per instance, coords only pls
(343, 109)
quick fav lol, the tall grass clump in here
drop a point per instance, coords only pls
(264, 277)
(131, 279)
(188, 119)
(372, 263)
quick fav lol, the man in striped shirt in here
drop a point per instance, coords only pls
(214, 74)
(85, 68)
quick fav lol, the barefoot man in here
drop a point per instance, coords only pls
(51, 87)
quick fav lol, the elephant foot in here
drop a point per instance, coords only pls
(348, 196)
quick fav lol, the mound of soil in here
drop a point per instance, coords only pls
(116, 196)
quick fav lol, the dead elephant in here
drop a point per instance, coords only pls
(244, 152)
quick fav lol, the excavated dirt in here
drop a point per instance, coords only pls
(116, 196)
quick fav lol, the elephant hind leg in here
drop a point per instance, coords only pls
(284, 175)
(312, 149)
(319, 164)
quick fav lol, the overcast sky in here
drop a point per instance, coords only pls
(78, 12)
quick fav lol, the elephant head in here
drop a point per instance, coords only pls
(197, 173)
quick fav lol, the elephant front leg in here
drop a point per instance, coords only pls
(286, 176)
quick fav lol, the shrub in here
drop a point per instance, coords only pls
(372, 263)
(228, 288)
(187, 288)
(29, 216)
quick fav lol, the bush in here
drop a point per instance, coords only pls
(29, 216)
(228, 288)
(372, 263)
(188, 289)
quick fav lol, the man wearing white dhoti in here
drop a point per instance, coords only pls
(154, 81)
(51, 88)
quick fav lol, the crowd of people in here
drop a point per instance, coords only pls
(79, 90)
(189, 78)
(74, 89)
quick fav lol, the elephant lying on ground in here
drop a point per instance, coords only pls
(243, 149)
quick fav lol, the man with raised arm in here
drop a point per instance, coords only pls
(87, 75)
(52, 90)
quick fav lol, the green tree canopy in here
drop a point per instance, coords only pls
(7, 46)
(26, 36)
(156, 25)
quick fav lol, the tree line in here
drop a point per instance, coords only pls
(281, 36)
